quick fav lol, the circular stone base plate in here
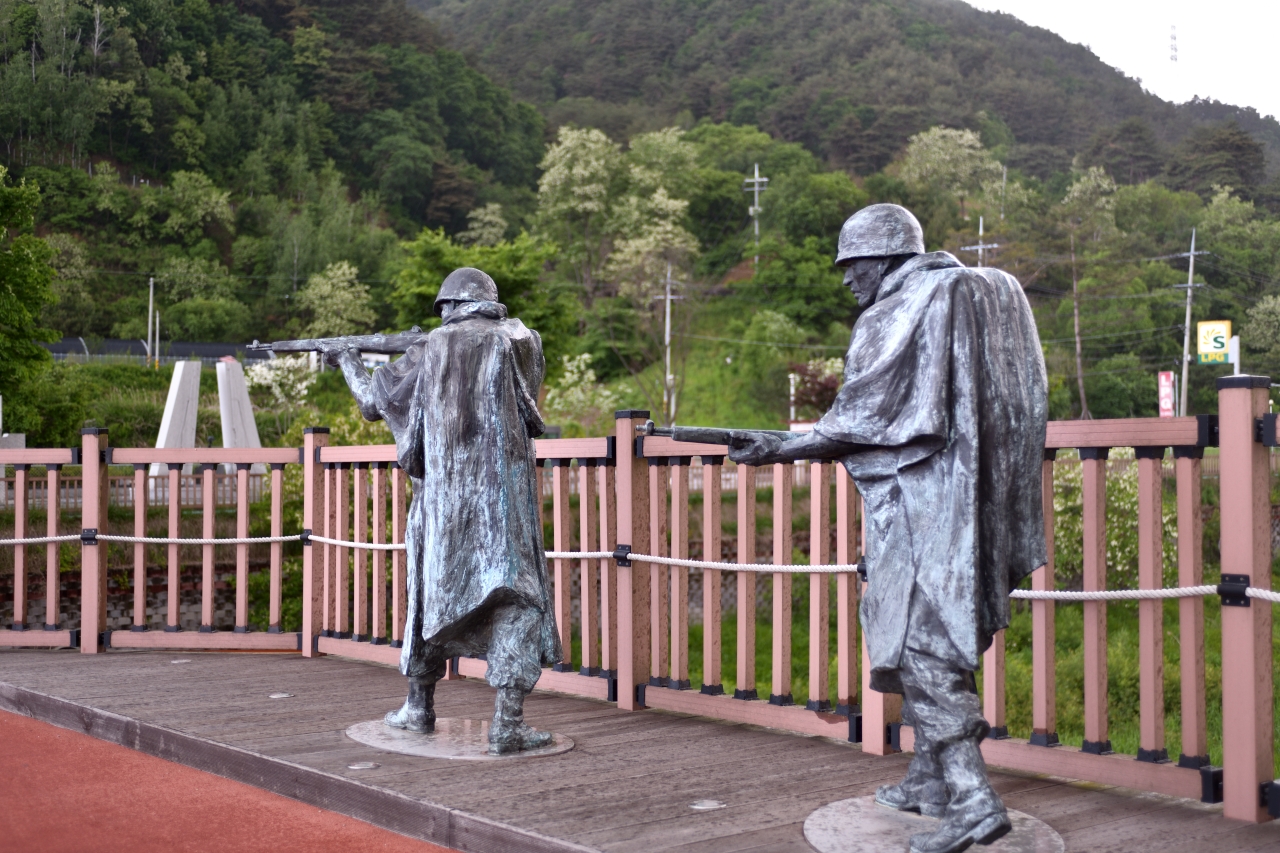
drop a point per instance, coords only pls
(861, 826)
(458, 739)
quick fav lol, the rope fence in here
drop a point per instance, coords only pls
(763, 568)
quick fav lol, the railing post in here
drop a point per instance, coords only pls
(1094, 503)
(659, 575)
(679, 679)
(1195, 737)
(1044, 692)
(589, 584)
(711, 578)
(819, 586)
(52, 566)
(173, 603)
(847, 550)
(1246, 630)
(93, 567)
(1151, 613)
(746, 651)
(277, 548)
(242, 551)
(780, 683)
(209, 509)
(633, 581)
(314, 438)
(19, 551)
(607, 489)
(561, 532)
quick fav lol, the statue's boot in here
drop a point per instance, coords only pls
(418, 713)
(975, 814)
(509, 732)
(923, 790)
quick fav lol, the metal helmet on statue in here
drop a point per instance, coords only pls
(880, 231)
(467, 285)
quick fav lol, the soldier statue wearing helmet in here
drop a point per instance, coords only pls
(940, 421)
(462, 406)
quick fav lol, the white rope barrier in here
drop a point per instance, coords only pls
(768, 568)
(146, 540)
(42, 540)
(763, 568)
(367, 546)
(1115, 594)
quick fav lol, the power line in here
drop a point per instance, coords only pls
(1111, 335)
(768, 343)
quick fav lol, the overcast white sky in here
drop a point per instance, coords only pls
(1226, 48)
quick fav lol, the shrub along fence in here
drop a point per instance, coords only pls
(619, 520)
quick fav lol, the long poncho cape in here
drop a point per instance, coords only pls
(463, 409)
(945, 392)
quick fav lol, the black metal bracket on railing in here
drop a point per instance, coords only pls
(1264, 431)
(305, 537)
(1233, 590)
(1153, 756)
(862, 567)
(1207, 430)
(1210, 784)
(622, 555)
(1269, 797)
(89, 536)
(1097, 747)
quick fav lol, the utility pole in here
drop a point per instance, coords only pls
(756, 185)
(981, 246)
(1186, 332)
(151, 309)
(668, 378)
(1075, 299)
(1004, 183)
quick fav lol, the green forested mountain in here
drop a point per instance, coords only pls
(850, 79)
(290, 167)
(235, 149)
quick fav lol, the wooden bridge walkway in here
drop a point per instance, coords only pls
(627, 785)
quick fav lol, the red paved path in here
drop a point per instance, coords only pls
(64, 791)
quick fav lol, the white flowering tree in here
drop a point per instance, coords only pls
(486, 226)
(577, 401)
(576, 193)
(949, 159)
(287, 379)
(339, 303)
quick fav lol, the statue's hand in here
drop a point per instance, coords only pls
(754, 448)
(333, 355)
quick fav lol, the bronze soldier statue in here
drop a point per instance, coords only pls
(941, 423)
(462, 406)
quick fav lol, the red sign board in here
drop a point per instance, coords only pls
(1165, 385)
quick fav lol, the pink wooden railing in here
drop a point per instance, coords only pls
(95, 455)
(633, 622)
(122, 491)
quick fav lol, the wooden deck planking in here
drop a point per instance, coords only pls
(627, 785)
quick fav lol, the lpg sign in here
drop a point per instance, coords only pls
(1165, 386)
(1213, 339)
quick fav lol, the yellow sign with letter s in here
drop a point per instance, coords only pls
(1212, 338)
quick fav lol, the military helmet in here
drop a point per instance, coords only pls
(880, 231)
(467, 285)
